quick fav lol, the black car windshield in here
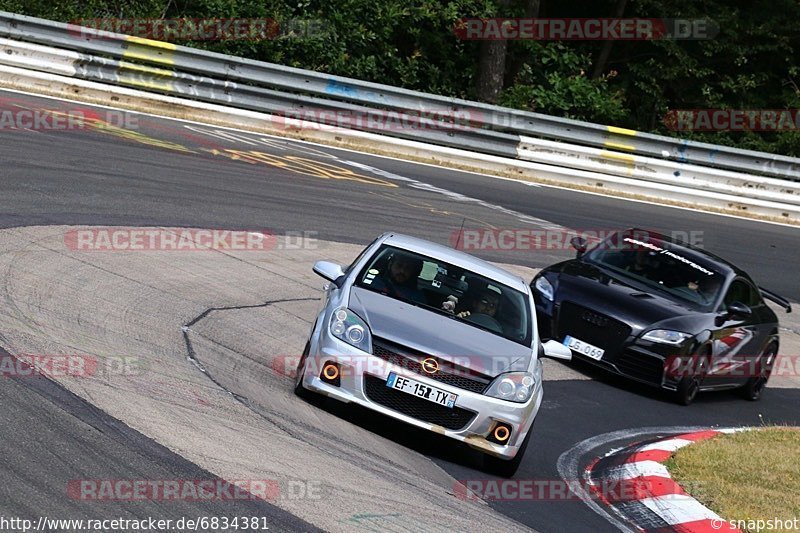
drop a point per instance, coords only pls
(660, 265)
(449, 290)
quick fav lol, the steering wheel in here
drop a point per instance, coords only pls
(693, 295)
(486, 321)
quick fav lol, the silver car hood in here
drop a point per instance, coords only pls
(439, 335)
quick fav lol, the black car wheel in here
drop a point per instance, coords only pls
(503, 468)
(755, 385)
(689, 386)
(299, 390)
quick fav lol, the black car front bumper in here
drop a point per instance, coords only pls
(625, 353)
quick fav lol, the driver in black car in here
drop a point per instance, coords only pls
(702, 288)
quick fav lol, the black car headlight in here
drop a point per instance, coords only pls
(348, 326)
(666, 336)
(512, 386)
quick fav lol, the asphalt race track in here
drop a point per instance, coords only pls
(174, 174)
(49, 434)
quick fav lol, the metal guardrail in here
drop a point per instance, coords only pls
(327, 88)
(593, 156)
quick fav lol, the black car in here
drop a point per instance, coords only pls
(661, 312)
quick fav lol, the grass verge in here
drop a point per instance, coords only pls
(744, 476)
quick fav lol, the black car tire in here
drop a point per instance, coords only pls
(299, 390)
(689, 386)
(754, 386)
(502, 467)
(687, 391)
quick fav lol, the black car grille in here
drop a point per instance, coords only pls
(640, 366)
(451, 375)
(590, 326)
(450, 418)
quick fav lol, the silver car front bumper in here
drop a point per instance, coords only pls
(487, 410)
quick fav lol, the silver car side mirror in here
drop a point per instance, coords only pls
(555, 350)
(328, 270)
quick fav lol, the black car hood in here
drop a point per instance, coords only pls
(442, 336)
(639, 307)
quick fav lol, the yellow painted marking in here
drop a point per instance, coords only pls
(621, 131)
(136, 136)
(127, 65)
(300, 165)
(104, 127)
(157, 78)
(234, 157)
(149, 50)
(627, 158)
(435, 211)
(619, 146)
(150, 42)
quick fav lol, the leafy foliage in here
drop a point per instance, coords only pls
(556, 82)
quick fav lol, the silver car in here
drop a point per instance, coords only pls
(435, 338)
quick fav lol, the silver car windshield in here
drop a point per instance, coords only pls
(446, 289)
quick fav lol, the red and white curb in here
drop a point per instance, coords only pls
(651, 499)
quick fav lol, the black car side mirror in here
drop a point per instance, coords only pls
(579, 243)
(738, 309)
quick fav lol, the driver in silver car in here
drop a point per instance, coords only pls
(400, 277)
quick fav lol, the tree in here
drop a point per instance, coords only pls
(492, 62)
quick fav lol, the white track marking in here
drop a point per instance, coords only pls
(222, 135)
(539, 222)
(669, 445)
(568, 464)
(638, 469)
(679, 509)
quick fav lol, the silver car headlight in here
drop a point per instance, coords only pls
(512, 386)
(666, 336)
(544, 287)
(348, 326)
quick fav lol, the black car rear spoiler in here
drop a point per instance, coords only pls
(780, 300)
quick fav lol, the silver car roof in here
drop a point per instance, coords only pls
(457, 258)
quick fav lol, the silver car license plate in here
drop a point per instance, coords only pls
(421, 390)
